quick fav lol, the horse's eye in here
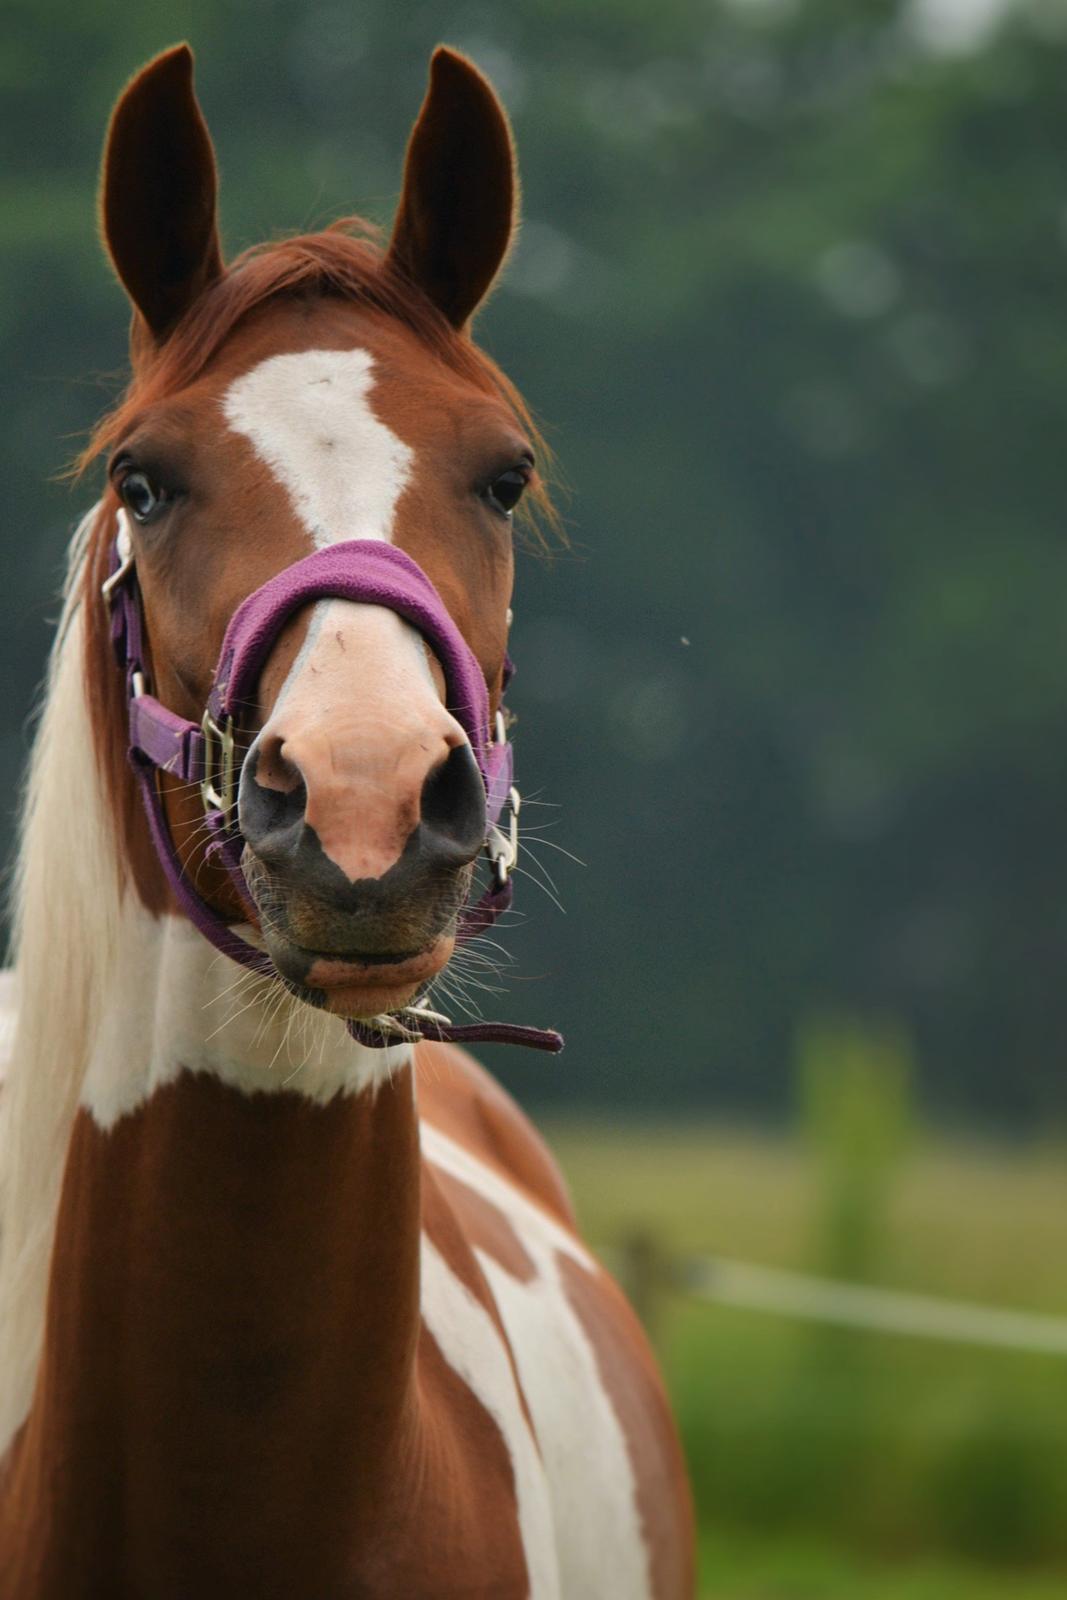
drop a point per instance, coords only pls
(505, 492)
(140, 496)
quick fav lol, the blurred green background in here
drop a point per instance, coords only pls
(791, 297)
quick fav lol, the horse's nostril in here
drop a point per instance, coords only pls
(273, 767)
(453, 804)
(271, 817)
(306, 834)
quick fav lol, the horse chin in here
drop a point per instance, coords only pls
(355, 984)
(359, 989)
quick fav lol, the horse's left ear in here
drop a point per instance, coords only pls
(158, 194)
(457, 207)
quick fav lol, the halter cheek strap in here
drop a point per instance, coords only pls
(160, 741)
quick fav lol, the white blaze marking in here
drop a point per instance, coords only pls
(351, 646)
(308, 416)
(597, 1525)
(468, 1339)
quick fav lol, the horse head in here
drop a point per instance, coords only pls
(315, 392)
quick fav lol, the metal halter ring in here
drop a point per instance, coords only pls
(503, 849)
(220, 798)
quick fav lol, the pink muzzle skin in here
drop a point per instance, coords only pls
(159, 741)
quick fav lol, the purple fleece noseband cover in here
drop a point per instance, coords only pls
(359, 569)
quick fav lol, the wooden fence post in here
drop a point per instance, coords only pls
(644, 1271)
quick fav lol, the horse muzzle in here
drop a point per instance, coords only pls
(359, 935)
(361, 944)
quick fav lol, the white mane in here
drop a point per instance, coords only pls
(66, 915)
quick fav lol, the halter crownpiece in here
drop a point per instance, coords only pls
(366, 570)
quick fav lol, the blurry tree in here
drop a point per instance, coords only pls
(791, 294)
(854, 1081)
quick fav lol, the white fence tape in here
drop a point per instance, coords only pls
(794, 1294)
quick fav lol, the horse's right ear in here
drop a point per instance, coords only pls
(158, 195)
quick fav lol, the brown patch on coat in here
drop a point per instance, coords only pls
(235, 1396)
(463, 1100)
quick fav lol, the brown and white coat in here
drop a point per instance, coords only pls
(281, 1315)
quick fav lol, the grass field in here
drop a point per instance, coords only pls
(832, 1463)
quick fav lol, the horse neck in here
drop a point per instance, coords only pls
(233, 1309)
(233, 1291)
(229, 1344)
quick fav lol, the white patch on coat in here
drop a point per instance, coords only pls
(308, 416)
(185, 1008)
(597, 1524)
(528, 1218)
(469, 1341)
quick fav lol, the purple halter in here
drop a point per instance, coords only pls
(159, 741)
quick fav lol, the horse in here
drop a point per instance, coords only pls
(292, 1298)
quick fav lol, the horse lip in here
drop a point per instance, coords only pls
(359, 958)
(383, 980)
(333, 972)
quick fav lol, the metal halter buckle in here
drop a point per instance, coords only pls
(124, 549)
(220, 798)
(395, 1024)
(503, 848)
